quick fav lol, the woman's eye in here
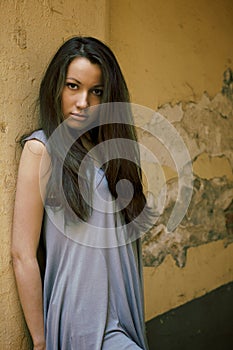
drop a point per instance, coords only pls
(97, 92)
(72, 86)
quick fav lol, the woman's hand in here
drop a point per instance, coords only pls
(39, 347)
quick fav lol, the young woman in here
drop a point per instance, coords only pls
(73, 195)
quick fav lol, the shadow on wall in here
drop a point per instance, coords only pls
(202, 324)
(206, 128)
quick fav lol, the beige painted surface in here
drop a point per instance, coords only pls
(212, 167)
(172, 50)
(31, 31)
(166, 287)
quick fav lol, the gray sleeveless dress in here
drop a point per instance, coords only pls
(93, 296)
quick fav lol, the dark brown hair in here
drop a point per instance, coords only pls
(121, 127)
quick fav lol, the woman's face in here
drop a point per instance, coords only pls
(83, 88)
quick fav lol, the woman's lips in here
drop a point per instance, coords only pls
(79, 116)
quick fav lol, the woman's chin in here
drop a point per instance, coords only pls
(79, 124)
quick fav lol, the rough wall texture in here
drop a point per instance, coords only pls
(206, 128)
(31, 31)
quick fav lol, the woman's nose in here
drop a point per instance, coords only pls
(82, 100)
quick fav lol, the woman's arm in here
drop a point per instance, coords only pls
(28, 216)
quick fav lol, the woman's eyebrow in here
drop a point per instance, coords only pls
(79, 82)
(99, 85)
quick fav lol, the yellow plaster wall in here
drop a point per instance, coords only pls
(30, 32)
(172, 52)
(212, 167)
(208, 266)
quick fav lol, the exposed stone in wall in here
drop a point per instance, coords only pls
(206, 128)
(227, 88)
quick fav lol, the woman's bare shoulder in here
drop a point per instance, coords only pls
(34, 146)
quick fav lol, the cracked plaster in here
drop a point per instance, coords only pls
(206, 128)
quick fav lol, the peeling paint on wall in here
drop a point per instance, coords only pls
(206, 127)
(227, 88)
(20, 35)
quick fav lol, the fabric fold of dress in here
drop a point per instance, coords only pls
(93, 297)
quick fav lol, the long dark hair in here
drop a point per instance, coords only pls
(115, 91)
